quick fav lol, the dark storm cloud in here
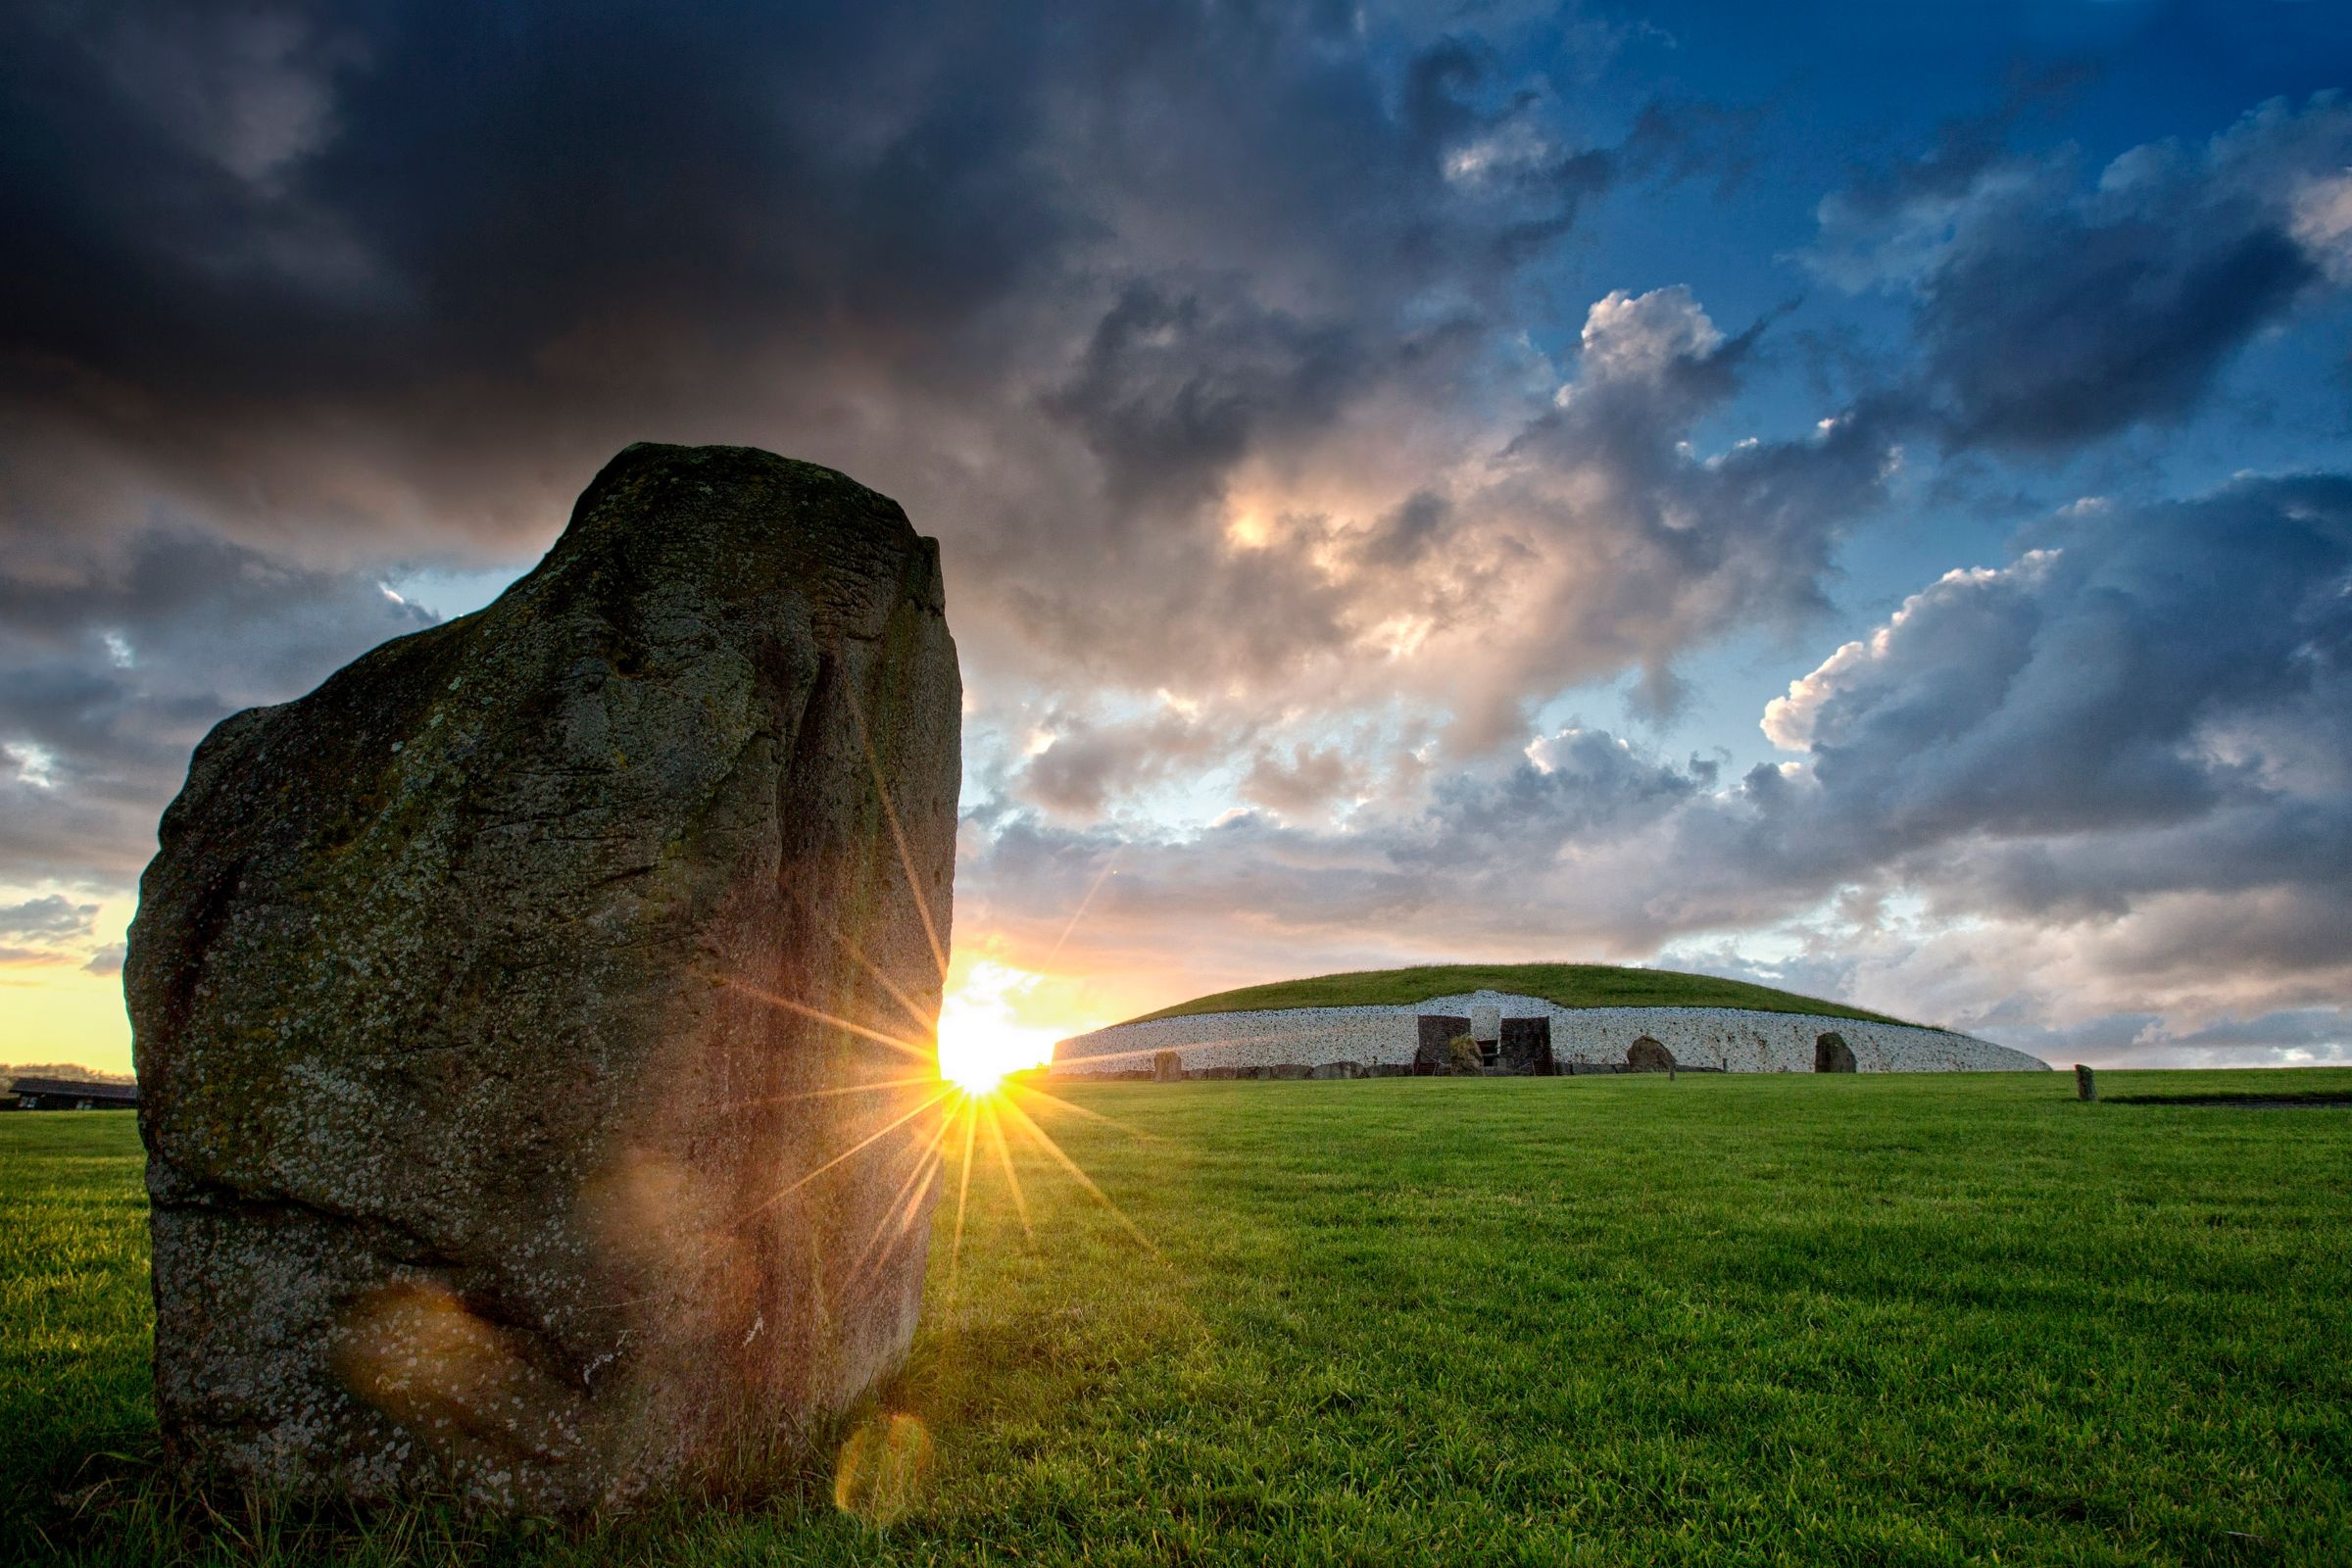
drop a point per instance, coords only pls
(2049, 314)
(113, 663)
(334, 288)
(1173, 388)
(2061, 337)
(354, 286)
(457, 229)
(398, 241)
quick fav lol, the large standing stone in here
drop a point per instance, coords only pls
(485, 1148)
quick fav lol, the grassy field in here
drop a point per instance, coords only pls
(1867, 1320)
(1569, 985)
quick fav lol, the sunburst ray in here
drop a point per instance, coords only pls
(964, 1193)
(744, 1107)
(867, 1142)
(761, 993)
(1012, 1179)
(907, 1201)
(897, 834)
(1072, 1106)
(1046, 1140)
(1092, 888)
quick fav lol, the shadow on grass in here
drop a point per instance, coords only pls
(2316, 1098)
(131, 1508)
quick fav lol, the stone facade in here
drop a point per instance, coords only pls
(1385, 1039)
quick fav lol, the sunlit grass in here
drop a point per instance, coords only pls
(1723, 1320)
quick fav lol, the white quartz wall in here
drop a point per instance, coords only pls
(1306, 1037)
(1732, 1039)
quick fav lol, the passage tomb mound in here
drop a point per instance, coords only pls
(1517, 1020)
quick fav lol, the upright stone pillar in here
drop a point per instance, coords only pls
(1527, 1046)
(1434, 1031)
(510, 1012)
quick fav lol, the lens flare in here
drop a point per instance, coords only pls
(880, 1474)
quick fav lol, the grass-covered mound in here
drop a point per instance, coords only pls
(1568, 985)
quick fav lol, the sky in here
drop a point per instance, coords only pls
(1857, 497)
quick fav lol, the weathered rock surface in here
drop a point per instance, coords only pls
(1434, 1033)
(485, 1153)
(1526, 1047)
(1647, 1054)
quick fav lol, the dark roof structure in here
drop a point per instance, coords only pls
(59, 1094)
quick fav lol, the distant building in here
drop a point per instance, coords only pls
(69, 1093)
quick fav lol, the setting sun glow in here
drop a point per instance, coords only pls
(981, 1036)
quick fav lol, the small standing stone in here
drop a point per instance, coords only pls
(2086, 1087)
(1647, 1054)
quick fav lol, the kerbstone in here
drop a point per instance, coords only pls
(493, 1006)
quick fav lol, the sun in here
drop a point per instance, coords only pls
(973, 1063)
(980, 1038)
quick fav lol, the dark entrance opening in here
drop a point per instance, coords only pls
(1831, 1054)
(1438, 1031)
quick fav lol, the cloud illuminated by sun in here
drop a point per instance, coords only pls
(981, 1036)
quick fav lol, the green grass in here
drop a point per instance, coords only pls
(1784, 1319)
(75, 1318)
(1568, 985)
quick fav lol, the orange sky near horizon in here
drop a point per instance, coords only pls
(54, 1010)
